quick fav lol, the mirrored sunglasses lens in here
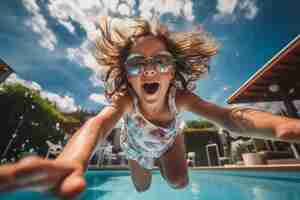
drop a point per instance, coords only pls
(164, 68)
(133, 71)
(164, 64)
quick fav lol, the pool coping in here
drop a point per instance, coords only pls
(273, 167)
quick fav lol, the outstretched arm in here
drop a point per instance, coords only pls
(95, 130)
(242, 121)
(65, 174)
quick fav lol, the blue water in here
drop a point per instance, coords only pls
(204, 185)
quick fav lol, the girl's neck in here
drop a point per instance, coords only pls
(153, 109)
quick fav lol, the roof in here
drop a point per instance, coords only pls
(282, 70)
(5, 70)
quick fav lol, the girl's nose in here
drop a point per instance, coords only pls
(149, 71)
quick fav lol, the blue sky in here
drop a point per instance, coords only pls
(49, 43)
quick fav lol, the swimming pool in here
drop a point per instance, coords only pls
(204, 184)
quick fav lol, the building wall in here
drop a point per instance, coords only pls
(197, 141)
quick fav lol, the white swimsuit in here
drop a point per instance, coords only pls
(144, 141)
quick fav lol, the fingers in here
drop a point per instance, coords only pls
(288, 131)
(62, 178)
(33, 163)
(34, 173)
(7, 172)
(71, 187)
(27, 172)
(7, 176)
(65, 178)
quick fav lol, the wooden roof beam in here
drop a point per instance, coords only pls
(279, 79)
(284, 65)
(293, 56)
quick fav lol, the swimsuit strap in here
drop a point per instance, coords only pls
(172, 100)
(135, 100)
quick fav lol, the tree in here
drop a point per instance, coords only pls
(199, 124)
(27, 122)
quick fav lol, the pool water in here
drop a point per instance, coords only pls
(204, 185)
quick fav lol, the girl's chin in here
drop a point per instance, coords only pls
(151, 98)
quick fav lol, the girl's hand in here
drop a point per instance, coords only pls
(60, 177)
(289, 130)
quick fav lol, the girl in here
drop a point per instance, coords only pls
(149, 76)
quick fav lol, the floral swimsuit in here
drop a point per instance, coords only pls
(143, 141)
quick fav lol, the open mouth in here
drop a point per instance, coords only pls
(151, 88)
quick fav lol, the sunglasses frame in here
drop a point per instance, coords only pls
(152, 60)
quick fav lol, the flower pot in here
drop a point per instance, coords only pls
(253, 159)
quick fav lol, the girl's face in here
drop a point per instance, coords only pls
(150, 69)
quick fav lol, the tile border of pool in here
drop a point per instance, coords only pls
(289, 173)
(286, 167)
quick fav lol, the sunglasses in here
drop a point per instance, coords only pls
(137, 63)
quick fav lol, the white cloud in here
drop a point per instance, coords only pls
(38, 24)
(226, 6)
(87, 14)
(77, 11)
(96, 79)
(156, 8)
(13, 78)
(65, 104)
(83, 55)
(250, 8)
(124, 9)
(98, 98)
(230, 10)
(68, 26)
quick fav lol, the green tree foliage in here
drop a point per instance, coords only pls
(30, 119)
(199, 124)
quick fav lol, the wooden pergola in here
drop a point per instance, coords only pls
(277, 80)
(5, 70)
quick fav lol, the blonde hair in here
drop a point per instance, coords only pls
(191, 50)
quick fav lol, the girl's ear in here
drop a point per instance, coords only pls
(173, 79)
(173, 73)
